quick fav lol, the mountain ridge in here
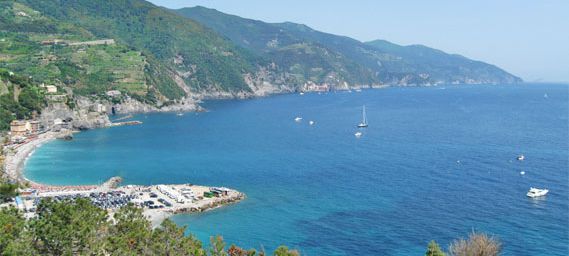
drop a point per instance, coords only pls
(148, 58)
(366, 54)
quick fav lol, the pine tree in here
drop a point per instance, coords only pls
(434, 249)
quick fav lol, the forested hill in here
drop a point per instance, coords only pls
(378, 61)
(161, 57)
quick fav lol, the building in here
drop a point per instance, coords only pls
(313, 87)
(51, 88)
(113, 93)
(19, 128)
(22, 128)
(34, 126)
(54, 42)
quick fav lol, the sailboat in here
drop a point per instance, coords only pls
(363, 124)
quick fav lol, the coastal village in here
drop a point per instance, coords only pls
(157, 201)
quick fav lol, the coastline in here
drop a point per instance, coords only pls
(16, 156)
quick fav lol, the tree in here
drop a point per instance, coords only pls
(478, 244)
(169, 239)
(131, 234)
(284, 251)
(77, 227)
(8, 190)
(433, 249)
(238, 251)
(217, 246)
(69, 227)
(11, 226)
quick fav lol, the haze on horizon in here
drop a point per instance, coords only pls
(526, 38)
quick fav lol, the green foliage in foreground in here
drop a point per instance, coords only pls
(80, 228)
(8, 190)
(433, 249)
(477, 244)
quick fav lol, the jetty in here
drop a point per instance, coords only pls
(157, 201)
(125, 123)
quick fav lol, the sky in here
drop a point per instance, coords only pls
(528, 38)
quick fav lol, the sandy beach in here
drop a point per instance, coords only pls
(17, 155)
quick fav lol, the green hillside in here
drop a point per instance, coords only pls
(157, 55)
(293, 54)
(27, 48)
(19, 98)
(442, 66)
(377, 61)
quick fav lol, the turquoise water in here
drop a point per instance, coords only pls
(435, 163)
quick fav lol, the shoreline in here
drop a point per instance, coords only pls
(16, 156)
(20, 153)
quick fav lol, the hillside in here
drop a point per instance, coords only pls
(441, 65)
(172, 58)
(292, 54)
(158, 55)
(19, 98)
(381, 61)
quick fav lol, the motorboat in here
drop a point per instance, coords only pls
(311, 122)
(298, 119)
(536, 192)
(521, 158)
(358, 134)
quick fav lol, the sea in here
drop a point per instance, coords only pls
(435, 163)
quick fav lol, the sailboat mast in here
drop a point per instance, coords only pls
(364, 118)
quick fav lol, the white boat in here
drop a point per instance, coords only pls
(363, 124)
(358, 90)
(311, 122)
(521, 158)
(536, 192)
(358, 134)
(179, 114)
(301, 93)
(523, 173)
(298, 119)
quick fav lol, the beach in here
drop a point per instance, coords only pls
(158, 201)
(17, 154)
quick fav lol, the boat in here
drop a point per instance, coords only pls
(358, 134)
(358, 90)
(536, 192)
(311, 122)
(363, 124)
(179, 114)
(298, 119)
(523, 173)
(521, 158)
(301, 93)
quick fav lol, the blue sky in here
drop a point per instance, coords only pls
(525, 37)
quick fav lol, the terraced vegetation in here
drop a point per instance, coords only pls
(159, 56)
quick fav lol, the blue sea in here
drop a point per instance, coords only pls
(434, 163)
